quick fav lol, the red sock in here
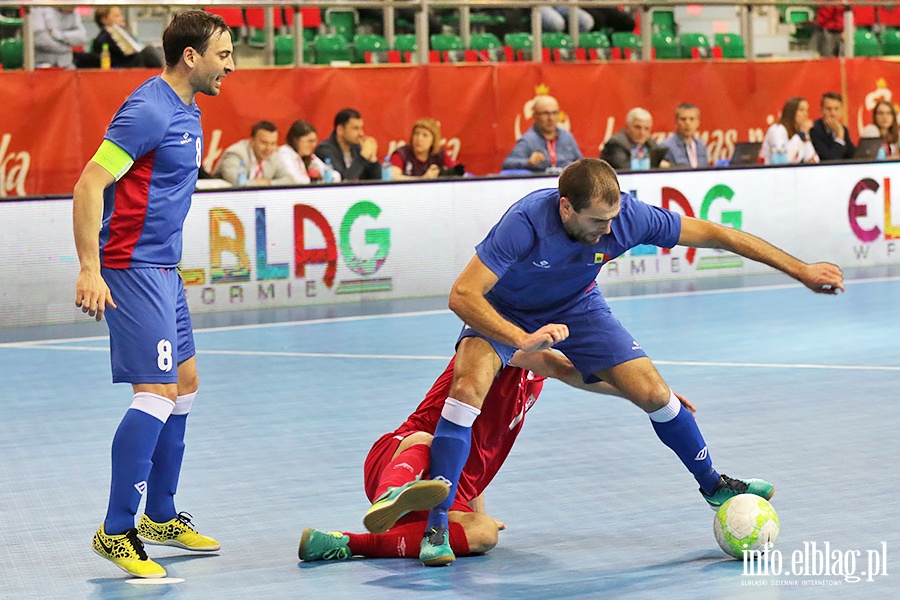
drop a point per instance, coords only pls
(402, 541)
(405, 467)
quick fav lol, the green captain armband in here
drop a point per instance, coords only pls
(113, 159)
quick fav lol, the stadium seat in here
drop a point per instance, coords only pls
(596, 45)
(407, 45)
(695, 45)
(330, 48)
(802, 18)
(561, 46)
(519, 44)
(12, 53)
(666, 46)
(487, 46)
(256, 21)
(627, 45)
(284, 51)
(865, 43)
(449, 47)
(890, 42)
(234, 18)
(663, 21)
(342, 22)
(373, 49)
(732, 45)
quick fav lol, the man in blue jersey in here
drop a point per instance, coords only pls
(133, 196)
(531, 286)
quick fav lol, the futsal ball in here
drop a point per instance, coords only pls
(745, 522)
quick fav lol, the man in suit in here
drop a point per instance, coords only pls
(685, 149)
(254, 161)
(830, 137)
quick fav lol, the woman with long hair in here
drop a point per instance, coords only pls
(298, 154)
(884, 126)
(787, 141)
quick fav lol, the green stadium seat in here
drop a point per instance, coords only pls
(488, 47)
(596, 45)
(802, 18)
(449, 47)
(695, 45)
(370, 47)
(627, 45)
(284, 50)
(332, 47)
(663, 21)
(559, 47)
(732, 45)
(407, 45)
(666, 46)
(520, 44)
(890, 42)
(342, 22)
(12, 53)
(866, 44)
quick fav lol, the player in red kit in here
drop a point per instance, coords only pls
(397, 467)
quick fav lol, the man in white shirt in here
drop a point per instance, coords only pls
(253, 161)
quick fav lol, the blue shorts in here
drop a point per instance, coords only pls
(150, 332)
(597, 340)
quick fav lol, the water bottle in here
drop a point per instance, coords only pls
(328, 172)
(639, 160)
(881, 155)
(387, 172)
(242, 175)
(779, 155)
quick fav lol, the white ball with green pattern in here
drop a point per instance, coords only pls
(745, 522)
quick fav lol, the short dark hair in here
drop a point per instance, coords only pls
(344, 116)
(586, 179)
(831, 96)
(299, 129)
(190, 29)
(685, 106)
(263, 126)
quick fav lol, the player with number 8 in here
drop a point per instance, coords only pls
(133, 196)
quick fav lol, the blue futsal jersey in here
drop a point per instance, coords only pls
(144, 211)
(541, 270)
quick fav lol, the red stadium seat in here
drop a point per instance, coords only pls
(234, 17)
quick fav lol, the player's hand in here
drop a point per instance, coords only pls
(823, 278)
(685, 402)
(545, 337)
(92, 294)
(536, 158)
(500, 524)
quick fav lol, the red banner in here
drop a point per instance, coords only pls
(51, 122)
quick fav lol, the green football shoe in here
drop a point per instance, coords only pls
(729, 488)
(323, 545)
(435, 550)
(418, 494)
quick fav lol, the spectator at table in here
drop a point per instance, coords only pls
(423, 157)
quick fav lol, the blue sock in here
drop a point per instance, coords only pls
(162, 482)
(132, 449)
(449, 452)
(678, 430)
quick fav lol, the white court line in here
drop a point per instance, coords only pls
(439, 312)
(677, 363)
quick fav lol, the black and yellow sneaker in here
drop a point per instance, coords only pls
(177, 532)
(126, 552)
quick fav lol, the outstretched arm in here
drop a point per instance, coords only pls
(822, 278)
(468, 302)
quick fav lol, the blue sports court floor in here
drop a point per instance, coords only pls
(797, 388)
